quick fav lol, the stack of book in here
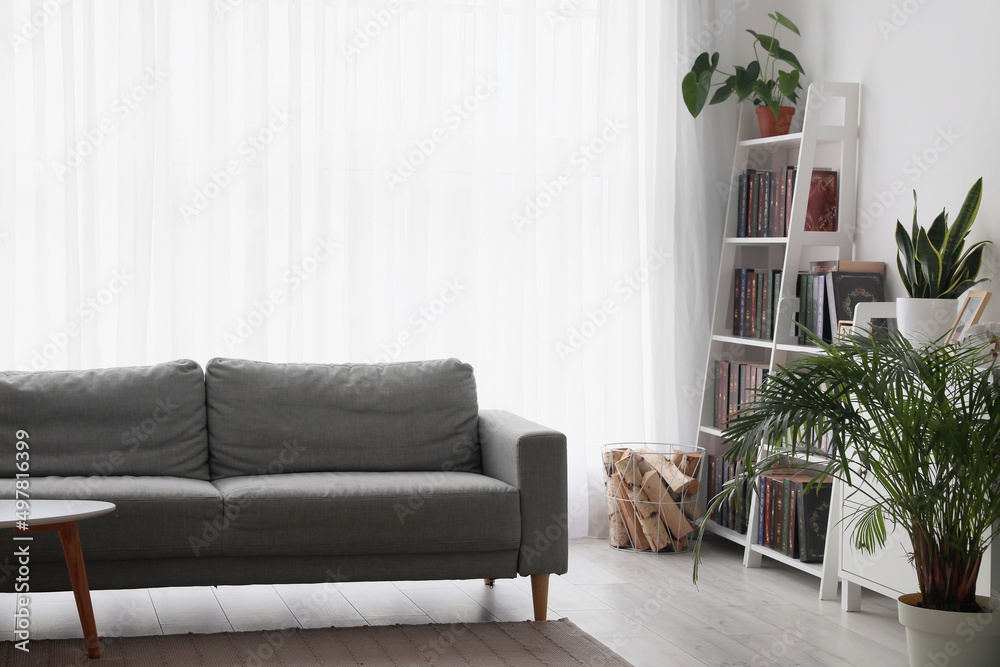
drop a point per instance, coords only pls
(764, 203)
(829, 292)
(754, 301)
(731, 513)
(735, 386)
(791, 520)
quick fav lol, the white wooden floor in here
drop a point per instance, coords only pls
(643, 606)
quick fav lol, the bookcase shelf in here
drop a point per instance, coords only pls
(828, 140)
(797, 349)
(780, 240)
(815, 569)
(741, 340)
(727, 533)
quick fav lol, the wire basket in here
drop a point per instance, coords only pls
(652, 493)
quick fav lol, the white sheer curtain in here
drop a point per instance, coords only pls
(501, 181)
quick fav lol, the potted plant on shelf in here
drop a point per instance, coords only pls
(935, 270)
(765, 83)
(914, 434)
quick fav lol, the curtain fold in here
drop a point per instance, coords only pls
(374, 181)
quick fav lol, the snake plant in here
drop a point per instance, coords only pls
(931, 262)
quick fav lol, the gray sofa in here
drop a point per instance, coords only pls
(254, 472)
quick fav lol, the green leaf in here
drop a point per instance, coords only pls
(695, 89)
(789, 57)
(783, 20)
(964, 274)
(906, 259)
(930, 263)
(938, 231)
(770, 44)
(907, 284)
(963, 221)
(745, 79)
(788, 82)
(722, 93)
(763, 91)
(703, 63)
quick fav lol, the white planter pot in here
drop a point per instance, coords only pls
(924, 320)
(952, 638)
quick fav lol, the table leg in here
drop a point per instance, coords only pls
(70, 539)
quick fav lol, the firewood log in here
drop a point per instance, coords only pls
(619, 536)
(671, 474)
(647, 514)
(670, 512)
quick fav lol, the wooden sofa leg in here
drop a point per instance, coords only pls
(540, 595)
(489, 582)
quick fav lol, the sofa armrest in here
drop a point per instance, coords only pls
(533, 459)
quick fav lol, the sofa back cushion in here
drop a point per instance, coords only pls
(284, 418)
(147, 420)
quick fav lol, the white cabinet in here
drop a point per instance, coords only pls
(888, 571)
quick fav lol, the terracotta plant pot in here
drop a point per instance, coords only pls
(771, 127)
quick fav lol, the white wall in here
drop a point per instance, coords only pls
(930, 107)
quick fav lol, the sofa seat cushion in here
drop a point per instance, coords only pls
(155, 517)
(313, 514)
(289, 418)
(143, 420)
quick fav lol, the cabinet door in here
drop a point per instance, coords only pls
(888, 568)
(889, 571)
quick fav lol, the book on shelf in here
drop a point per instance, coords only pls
(821, 210)
(827, 295)
(846, 290)
(813, 514)
(858, 266)
(789, 192)
(764, 202)
(754, 302)
(741, 204)
(792, 520)
(736, 383)
(732, 512)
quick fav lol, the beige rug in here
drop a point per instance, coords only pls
(523, 644)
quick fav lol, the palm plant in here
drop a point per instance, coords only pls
(914, 431)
